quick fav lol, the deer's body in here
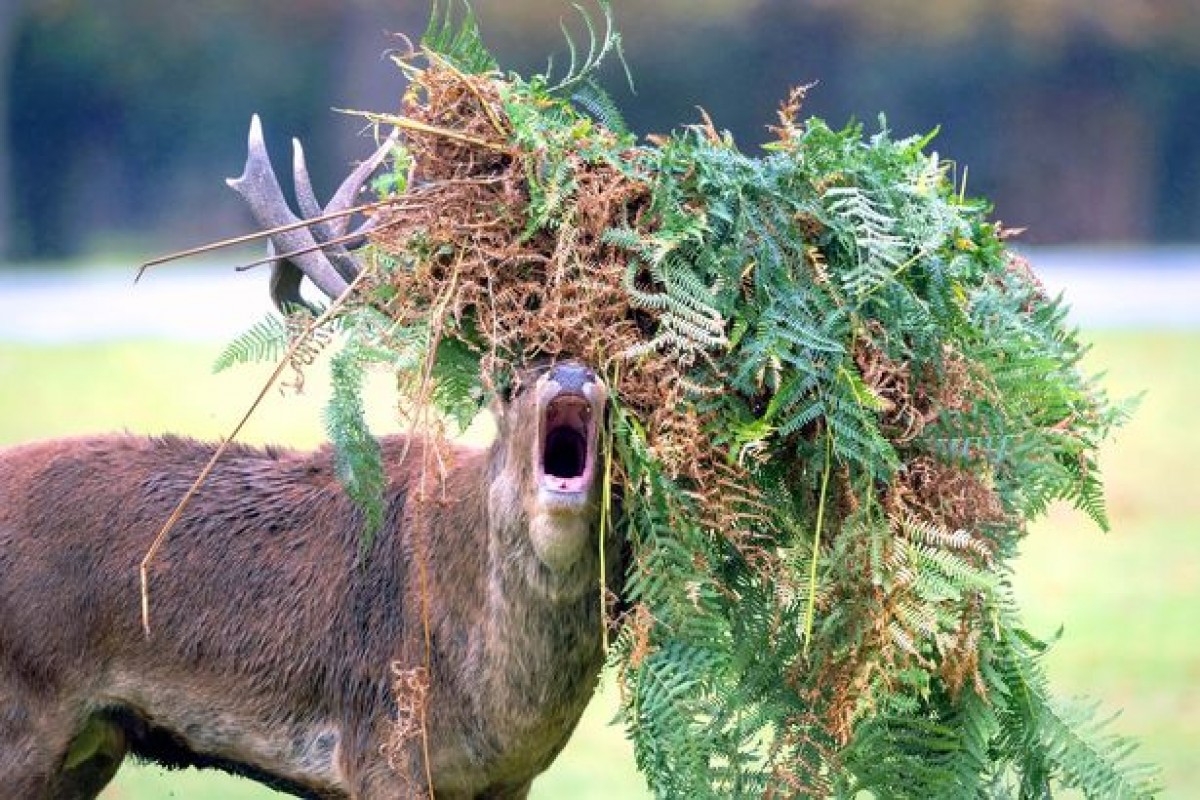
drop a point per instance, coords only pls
(454, 656)
(272, 646)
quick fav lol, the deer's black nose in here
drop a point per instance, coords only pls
(572, 377)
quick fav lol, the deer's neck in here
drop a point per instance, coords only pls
(541, 645)
(541, 620)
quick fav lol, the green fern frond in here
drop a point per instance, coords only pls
(877, 252)
(358, 460)
(1053, 744)
(1092, 759)
(457, 390)
(266, 340)
(600, 45)
(599, 104)
(453, 33)
(915, 757)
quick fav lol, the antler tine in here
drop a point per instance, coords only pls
(306, 198)
(366, 227)
(326, 231)
(343, 198)
(259, 187)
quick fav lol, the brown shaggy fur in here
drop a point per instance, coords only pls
(274, 649)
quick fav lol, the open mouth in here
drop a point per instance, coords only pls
(567, 458)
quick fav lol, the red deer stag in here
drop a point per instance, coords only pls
(273, 644)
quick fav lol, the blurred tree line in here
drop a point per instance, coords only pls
(120, 117)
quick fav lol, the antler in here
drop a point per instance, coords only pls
(316, 246)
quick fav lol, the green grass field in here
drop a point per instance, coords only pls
(1128, 601)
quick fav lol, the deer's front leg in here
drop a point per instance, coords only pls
(42, 754)
(379, 770)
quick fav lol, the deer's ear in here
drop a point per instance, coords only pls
(502, 395)
(499, 409)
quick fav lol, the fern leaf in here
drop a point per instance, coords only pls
(600, 46)
(455, 35)
(589, 96)
(266, 340)
(358, 460)
(1093, 760)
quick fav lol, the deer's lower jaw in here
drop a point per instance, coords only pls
(560, 541)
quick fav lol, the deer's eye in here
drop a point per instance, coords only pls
(509, 389)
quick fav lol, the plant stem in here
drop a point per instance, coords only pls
(605, 521)
(810, 612)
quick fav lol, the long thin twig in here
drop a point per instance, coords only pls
(422, 551)
(423, 127)
(343, 239)
(606, 516)
(250, 237)
(144, 568)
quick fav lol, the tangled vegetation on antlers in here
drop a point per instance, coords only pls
(838, 400)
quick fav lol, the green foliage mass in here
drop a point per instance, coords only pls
(831, 241)
(891, 397)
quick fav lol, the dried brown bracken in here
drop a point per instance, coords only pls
(460, 231)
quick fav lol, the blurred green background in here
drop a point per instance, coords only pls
(118, 120)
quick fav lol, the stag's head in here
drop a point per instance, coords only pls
(547, 470)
